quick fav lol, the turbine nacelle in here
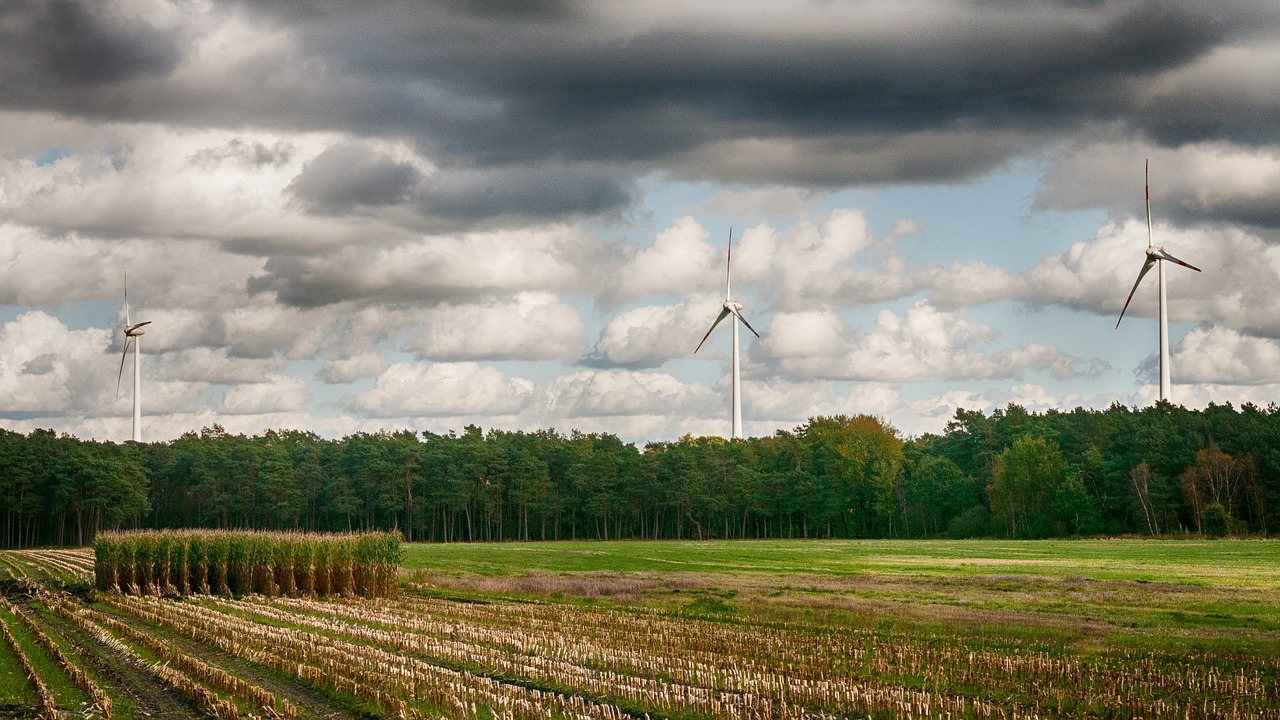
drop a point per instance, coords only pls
(1154, 255)
(135, 330)
(1160, 254)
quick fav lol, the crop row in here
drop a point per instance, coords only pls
(212, 689)
(400, 684)
(76, 565)
(101, 702)
(399, 654)
(48, 704)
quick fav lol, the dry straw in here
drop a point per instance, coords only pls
(235, 562)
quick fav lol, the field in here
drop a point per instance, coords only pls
(756, 629)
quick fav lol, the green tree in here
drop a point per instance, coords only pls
(1216, 520)
(1073, 508)
(1027, 476)
(857, 461)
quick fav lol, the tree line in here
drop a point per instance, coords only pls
(1159, 471)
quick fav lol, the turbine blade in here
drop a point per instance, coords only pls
(721, 316)
(1150, 242)
(123, 355)
(1166, 256)
(1146, 267)
(126, 300)
(728, 260)
(744, 322)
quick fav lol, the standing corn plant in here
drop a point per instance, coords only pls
(226, 562)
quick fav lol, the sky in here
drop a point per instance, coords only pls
(346, 217)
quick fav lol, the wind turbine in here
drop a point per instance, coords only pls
(730, 307)
(132, 333)
(1154, 257)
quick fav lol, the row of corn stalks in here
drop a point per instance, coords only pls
(226, 562)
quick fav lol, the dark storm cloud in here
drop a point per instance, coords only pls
(531, 192)
(73, 45)
(1191, 186)
(495, 90)
(523, 9)
(347, 175)
(352, 175)
(1261, 212)
(565, 85)
(311, 283)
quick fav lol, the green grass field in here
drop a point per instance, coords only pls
(1217, 589)
(1235, 563)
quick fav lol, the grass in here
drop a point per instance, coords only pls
(14, 689)
(1237, 563)
(67, 694)
(1217, 591)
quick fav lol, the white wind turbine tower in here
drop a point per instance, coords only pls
(1154, 257)
(730, 307)
(132, 333)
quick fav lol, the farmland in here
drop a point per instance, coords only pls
(769, 629)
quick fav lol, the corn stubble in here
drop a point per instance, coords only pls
(421, 656)
(229, 562)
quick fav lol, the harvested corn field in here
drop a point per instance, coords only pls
(444, 648)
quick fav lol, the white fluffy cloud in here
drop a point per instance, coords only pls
(147, 179)
(263, 330)
(345, 370)
(437, 268)
(443, 389)
(1200, 395)
(207, 365)
(1235, 288)
(529, 326)
(44, 366)
(60, 270)
(800, 264)
(623, 392)
(806, 334)
(279, 393)
(920, 344)
(679, 260)
(650, 335)
(1213, 354)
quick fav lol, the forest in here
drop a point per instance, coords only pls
(1160, 471)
